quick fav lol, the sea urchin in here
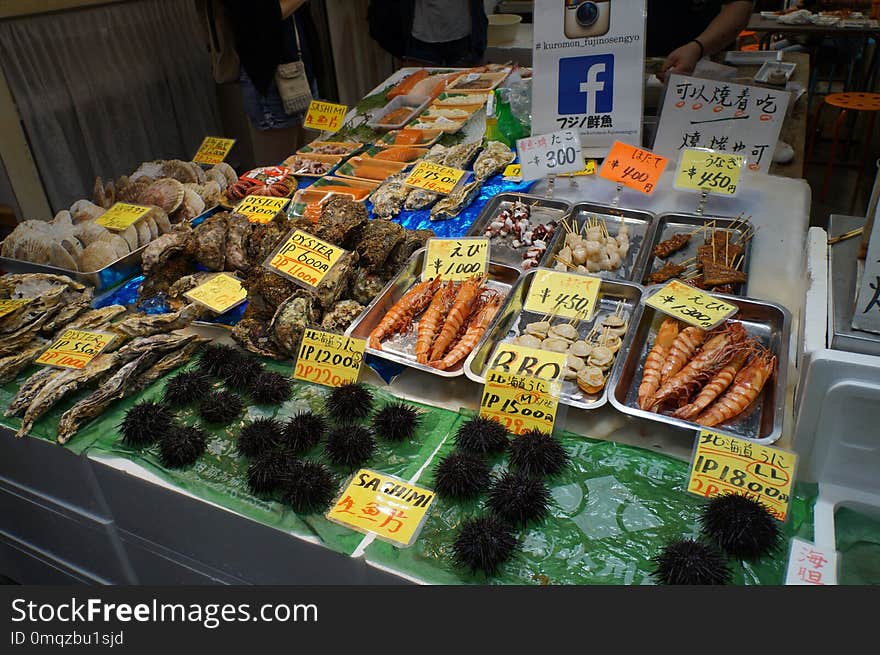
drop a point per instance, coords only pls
(350, 402)
(242, 374)
(144, 423)
(537, 453)
(307, 486)
(270, 388)
(186, 387)
(461, 476)
(303, 431)
(220, 407)
(260, 435)
(689, 562)
(519, 498)
(483, 436)
(266, 472)
(182, 445)
(741, 526)
(350, 446)
(217, 359)
(396, 421)
(484, 544)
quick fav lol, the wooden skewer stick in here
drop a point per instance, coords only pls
(737, 262)
(845, 236)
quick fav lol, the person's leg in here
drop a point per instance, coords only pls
(275, 134)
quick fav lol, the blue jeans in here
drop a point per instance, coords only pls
(266, 112)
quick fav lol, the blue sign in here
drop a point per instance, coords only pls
(586, 84)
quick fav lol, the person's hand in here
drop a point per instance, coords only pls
(681, 60)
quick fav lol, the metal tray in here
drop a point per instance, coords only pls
(544, 210)
(762, 422)
(639, 222)
(512, 320)
(400, 348)
(666, 225)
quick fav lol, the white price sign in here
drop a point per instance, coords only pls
(550, 154)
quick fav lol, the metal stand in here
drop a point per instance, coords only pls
(551, 180)
(616, 200)
(704, 196)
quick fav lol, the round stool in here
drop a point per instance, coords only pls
(741, 40)
(846, 102)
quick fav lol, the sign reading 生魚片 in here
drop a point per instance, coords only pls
(587, 57)
(325, 116)
(549, 154)
(456, 259)
(729, 118)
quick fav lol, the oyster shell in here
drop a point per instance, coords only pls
(337, 281)
(295, 314)
(420, 199)
(451, 205)
(459, 156)
(160, 250)
(237, 233)
(389, 197)
(341, 222)
(208, 245)
(341, 316)
(492, 160)
(378, 239)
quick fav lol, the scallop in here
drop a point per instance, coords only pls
(590, 379)
(612, 342)
(563, 331)
(569, 374)
(555, 345)
(575, 363)
(601, 357)
(528, 340)
(594, 234)
(579, 255)
(580, 348)
(538, 328)
(564, 255)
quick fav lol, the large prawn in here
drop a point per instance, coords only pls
(654, 361)
(713, 389)
(479, 323)
(431, 320)
(744, 390)
(467, 296)
(682, 349)
(400, 316)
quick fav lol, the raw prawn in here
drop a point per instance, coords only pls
(714, 388)
(654, 361)
(431, 320)
(682, 349)
(467, 296)
(401, 314)
(480, 322)
(744, 390)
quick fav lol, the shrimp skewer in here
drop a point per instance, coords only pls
(462, 306)
(430, 321)
(654, 361)
(714, 388)
(400, 316)
(682, 349)
(745, 389)
(479, 324)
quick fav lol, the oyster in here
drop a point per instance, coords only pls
(295, 314)
(341, 316)
(493, 160)
(341, 222)
(389, 197)
(413, 240)
(366, 286)
(420, 199)
(266, 290)
(377, 241)
(264, 237)
(252, 333)
(237, 234)
(159, 251)
(12, 365)
(460, 156)
(155, 324)
(337, 281)
(437, 154)
(175, 292)
(208, 245)
(452, 204)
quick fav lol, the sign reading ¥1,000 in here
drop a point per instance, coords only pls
(456, 259)
(633, 167)
(724, 464)
(219, 294)
(329, 359)
(261, 209)
(563, 294)
(691, 305)
(121, 216)
(75, 348)
(434, 177)
(213, 150)
(706, 170)
(304, 259)
(520, 403)
(325, 116)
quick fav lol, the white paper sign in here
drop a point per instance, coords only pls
(809, 564)
(730, 118)
(867, 312)
(550, 154)
(589, 60)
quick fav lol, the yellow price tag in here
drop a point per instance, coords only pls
(571, 295)
(325, 116)
(8, 306)
(524, 361)
(691, 305)
(76, 348)
(329, 359)
(219, 294)
(515, 170)
(520, 403)
(384, 505)
(121, 216)
(704, 170)
(261, 209)
(723, 464)
(303, 258)
(456, 259)
(434, 177)
(213, 150)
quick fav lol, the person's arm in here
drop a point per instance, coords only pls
(723, 29)
(290, 6)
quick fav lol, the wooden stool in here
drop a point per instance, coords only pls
(846, 102)
(747, 34)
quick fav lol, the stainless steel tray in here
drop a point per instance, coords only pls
(400, 348)
(762, 421)
(639, 223)
(543, 211)
(668, 225)
(512, 320)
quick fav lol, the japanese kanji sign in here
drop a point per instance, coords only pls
(325, 116)
(121, 216)
(434, 177)
(520, 403)
(708, 170)
(571, 295)
(549, 154)
(524, 361)
(304, 259)
(76, 348)
(213, 150)
(329, 359)
(219, 294)
(722, 116)
(867, 312)
(691, 305)
(261, 209)
(723, 464)
(809, 564)
(387, 506)
(456, 259)
(8, 306)
(633, 167)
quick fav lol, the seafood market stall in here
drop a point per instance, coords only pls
(188, 436)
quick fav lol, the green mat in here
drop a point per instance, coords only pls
(614, 508)
(858, 542)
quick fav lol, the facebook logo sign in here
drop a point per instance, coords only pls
(586, 84)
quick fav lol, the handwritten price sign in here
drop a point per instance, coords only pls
(514, 171)
(329, 359)
(121, 216)
(219, 294)
(304, 259)
(520, 403)
(563, 294)
(76, 348)
(213, 150)
(633, 167)
(723, 464)
(705, 170)
(691, 305)
(8, 306)
(528, 362)
(325, 116)
(550, 154)
(456, 259)
(387, 506)
(434, 177)
(261, 209)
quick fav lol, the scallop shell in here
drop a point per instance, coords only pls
(63, 219)
(130, 234)
(193, 205)
(84, 210)
(198, 171)
(119, 245)
(149, 169)
(214, 175)
(89, 232)
(165, 193)
(150, 222)
(161, 217)
(143, 230)
(227, 171)
(97, 256)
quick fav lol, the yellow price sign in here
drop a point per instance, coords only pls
(434, 177)
(304, 258)
(691, 305)
(213, 150)
(121, 216)
(515, 170)
(524, 361)
(75, 348)
(329, 359)
(520, 403)
(7, 306)
(219, 294)
(384, 505)
(456, 259)
(571, 295)
(325, 116)
(261, 209)
(705, 170)
(724, 464)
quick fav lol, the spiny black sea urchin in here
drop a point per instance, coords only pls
(350, 446)
(186, 387)
(220, 407)
(742, 527)
(182, 445)
(537, 453)
(483, 436)
(243, 373)
(308, 487)
(519, 498)
(217, 359)
(303, 431)
(270, 388)
(260, 435)
(266, 472)
(689, 562)
(144, 423)
(461, 476)
(484, 544)
(396, 421)
(350, 402)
